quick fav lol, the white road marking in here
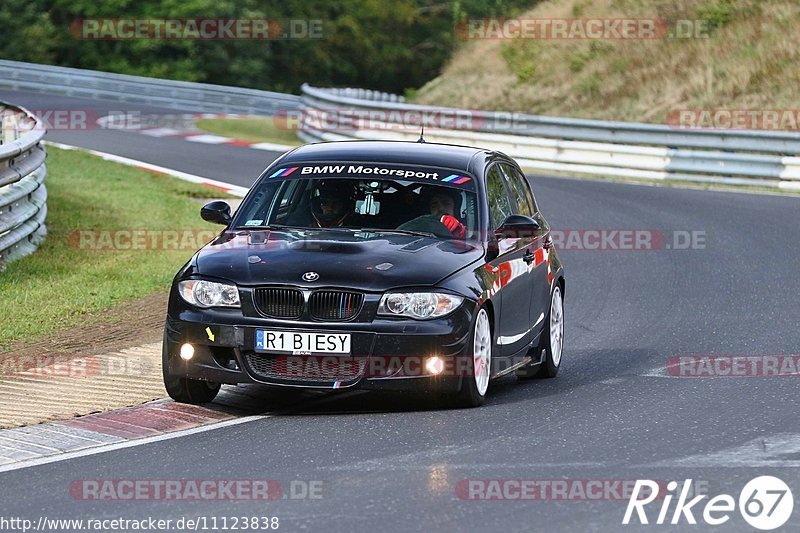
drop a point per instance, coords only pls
(658, 372)
(161, 132)
(661, 371)
(128, 444)
(780, 450)
(272, 147)
(208, 139)
(232, 189)
(612, 381)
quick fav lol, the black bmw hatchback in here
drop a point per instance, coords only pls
(371, 264)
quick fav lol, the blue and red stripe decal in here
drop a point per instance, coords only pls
(344, 305)
(456, 179)
(282, 172)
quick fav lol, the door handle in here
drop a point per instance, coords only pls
(529, 256)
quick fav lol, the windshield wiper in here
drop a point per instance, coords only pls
(400, 231)
(269, 227)
(340, 228)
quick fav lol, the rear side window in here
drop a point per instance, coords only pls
(497, 197)
(521, 198)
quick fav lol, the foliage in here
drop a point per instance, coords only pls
(390, 46)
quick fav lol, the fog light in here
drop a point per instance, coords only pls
(434, 365)
(187, 352)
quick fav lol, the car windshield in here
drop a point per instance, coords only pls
(347, 204)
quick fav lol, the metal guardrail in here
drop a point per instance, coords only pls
(23, 196)
(179, 95)
(618, 149)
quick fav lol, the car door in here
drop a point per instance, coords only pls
(536, 245)
(512, 281)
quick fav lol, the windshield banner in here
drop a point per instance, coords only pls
(369, 170)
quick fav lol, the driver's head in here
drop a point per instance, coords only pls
(442, 203)
(331, 205)
(333, 200)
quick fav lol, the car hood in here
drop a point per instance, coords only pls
(366, 261)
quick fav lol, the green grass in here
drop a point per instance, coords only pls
(252, 129)
(56, 286)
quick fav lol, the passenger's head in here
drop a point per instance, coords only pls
(443, 201)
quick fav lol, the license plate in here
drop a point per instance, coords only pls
(302, 342)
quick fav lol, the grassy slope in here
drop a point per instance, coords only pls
(58, 284)
(255, 129)
(748, 62)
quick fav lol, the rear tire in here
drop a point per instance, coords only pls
(552, 342)
(475, 384)
(185, 390)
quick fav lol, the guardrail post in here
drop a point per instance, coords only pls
(3, 126)
(581, 146)
(23, 194)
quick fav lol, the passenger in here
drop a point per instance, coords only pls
(442, 205)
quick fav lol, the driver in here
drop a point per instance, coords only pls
(332, 203)
(442, 205)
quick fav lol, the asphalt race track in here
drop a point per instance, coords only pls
(205, 160)
(388, 463)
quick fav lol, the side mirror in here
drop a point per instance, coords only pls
(517, 227)
(218, 212)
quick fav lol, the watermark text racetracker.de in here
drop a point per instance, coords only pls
(627, 239)
(195, 489)
(84, 119)
(735, 119)
(626, 29)
(73, 366)
(583, 239)
(733, 366)
(140, 239)
(203, 29)
(548, 489)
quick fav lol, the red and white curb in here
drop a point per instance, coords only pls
(207, 138)
(124, 428)
(234, 190)
(193, 135)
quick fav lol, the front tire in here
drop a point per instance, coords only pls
(185, 390)
(475, 384)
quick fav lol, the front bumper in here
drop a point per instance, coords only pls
(387, 353)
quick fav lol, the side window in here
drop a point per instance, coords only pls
(286, 200)
(258, 206)
(497, 198)
(521, 198)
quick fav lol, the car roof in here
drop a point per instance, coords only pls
(400, 152)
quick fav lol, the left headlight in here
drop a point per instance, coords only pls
(419, 305)
(209, 293)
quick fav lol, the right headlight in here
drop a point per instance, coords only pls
(419, 305)
(203, 293)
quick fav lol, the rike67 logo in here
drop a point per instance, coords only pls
(765, 503)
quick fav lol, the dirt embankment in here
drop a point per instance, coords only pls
(112, 360)
(712, 54)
